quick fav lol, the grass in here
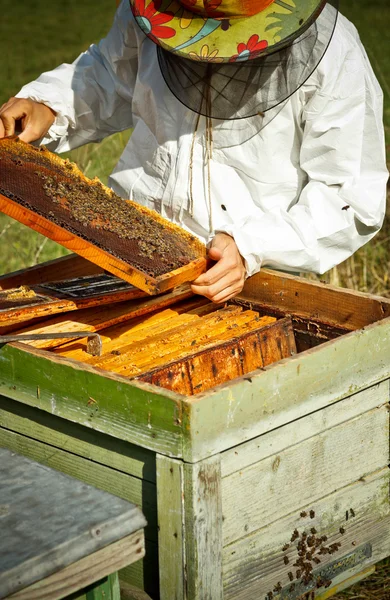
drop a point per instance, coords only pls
(43, 35)
(33, 40)
(376, 587)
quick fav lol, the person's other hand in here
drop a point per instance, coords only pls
(226, 278)
(35, 119)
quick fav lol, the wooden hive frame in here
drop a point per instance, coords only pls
(190, 347)
(86, 249)
(35, 302)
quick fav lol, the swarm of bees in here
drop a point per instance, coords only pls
(310, 547)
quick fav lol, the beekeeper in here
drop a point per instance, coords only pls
(257, 127)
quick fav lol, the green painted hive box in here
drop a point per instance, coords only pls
(274, 485)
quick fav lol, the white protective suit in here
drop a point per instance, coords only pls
(301, 194)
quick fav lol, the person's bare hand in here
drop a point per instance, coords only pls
(226, 278)
(33, 118)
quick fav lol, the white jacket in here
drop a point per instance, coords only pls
(301, 194)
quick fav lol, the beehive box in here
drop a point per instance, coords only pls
(273, 485)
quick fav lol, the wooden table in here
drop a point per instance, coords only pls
(60, 536)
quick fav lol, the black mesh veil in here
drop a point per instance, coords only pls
(245, 89)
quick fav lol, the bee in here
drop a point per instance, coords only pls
(312, 514)
(285, 547)
(295, 535)
(298, 574)
(316, 560)
(303, 514)
(313, 530)
(346, 207)
(290, 576)
(311, 541)
(342, 530)
(278, 587)
(286, 560)
(324, 538)
(352, 512)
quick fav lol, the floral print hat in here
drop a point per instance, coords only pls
(217, 56)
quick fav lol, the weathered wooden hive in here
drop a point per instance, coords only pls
(254, 436)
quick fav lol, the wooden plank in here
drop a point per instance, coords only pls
(96, 319)
(315, 301)
(254, 564)
(276, 441)
(203, 530)
(130, 488)
(170, 528)
(58, 269)
(268, 489)
(285, 391)
(132, 411)
(86, 571)
(86, 443)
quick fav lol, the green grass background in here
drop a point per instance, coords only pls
(37, 35)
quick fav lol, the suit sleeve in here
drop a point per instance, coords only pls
(342, 205)
(93, 96)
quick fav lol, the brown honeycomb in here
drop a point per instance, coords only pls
(58, 191)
